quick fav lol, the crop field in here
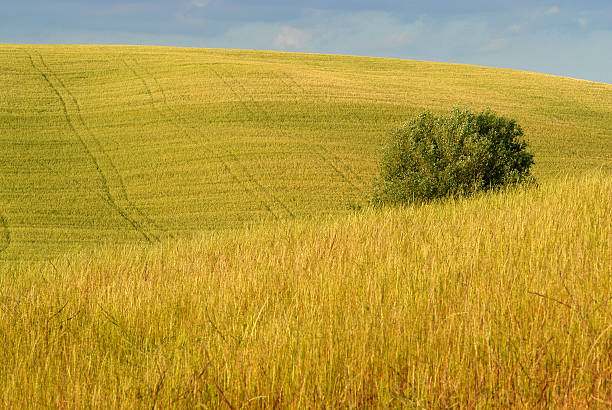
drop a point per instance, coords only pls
(181, 228)
(138, 144)
(504, 300)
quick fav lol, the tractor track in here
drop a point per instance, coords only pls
(253, 115)
(322, 150)
(111, 165)
(333, 161)
(106, 192)
(112, 205)
(259, 192)
(183, 130)
(6, 234)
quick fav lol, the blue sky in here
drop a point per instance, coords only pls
(570, 38)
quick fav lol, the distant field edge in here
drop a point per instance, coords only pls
(298, 53)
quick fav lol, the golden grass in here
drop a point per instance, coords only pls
(504, 300)
(135, 144)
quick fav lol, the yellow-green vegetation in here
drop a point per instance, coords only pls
(220, 264)
(503, 300)
(127, 144)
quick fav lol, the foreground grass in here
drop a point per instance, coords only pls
(136, 144)
(502, 300)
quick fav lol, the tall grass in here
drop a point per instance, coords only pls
(502, 300)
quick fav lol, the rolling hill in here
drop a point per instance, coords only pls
(106, 144)
(176, 232)
(498, 301)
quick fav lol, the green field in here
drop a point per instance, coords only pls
(137, 144)
(178, 229)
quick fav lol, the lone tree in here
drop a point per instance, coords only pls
(436, 156)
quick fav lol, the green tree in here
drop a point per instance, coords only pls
(436, 156)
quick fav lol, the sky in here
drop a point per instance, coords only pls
(562, 37)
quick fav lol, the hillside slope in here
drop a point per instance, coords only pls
(122, 144)
(500, 301)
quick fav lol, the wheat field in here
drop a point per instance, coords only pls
(504, 300)
(106, 145)
(183, 228)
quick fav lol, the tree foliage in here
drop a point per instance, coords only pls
(435, 156)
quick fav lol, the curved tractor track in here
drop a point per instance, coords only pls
(5, 236)
(113, 194)
(259, 111)
(273, 205)
(333, 161)
(253, 116)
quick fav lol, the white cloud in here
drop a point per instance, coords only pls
(495, 45)
(515, 28)
(405, 37)
(200, 3)
(292, 38)
(553, 10)
(126, 9)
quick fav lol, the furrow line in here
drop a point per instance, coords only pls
(253, 115)
(84, 125)
(111, 204)
(94, 161)
(334, 161)
(297, 85)
(319, 153)
(184, 131)
(123, 196)
(6, 234)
